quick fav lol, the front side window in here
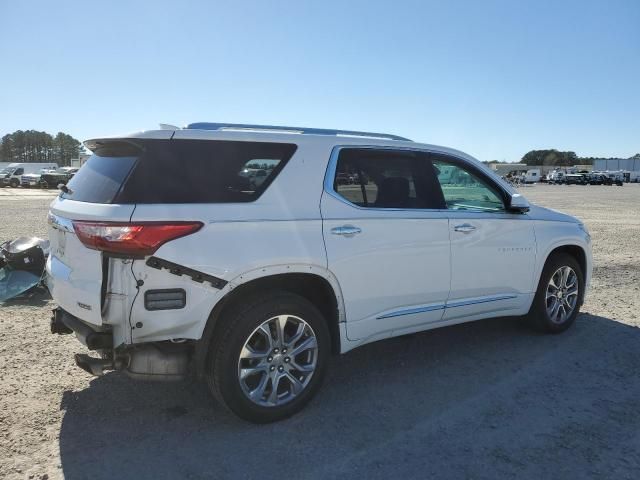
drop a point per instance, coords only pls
(386, 179)
(464, 190)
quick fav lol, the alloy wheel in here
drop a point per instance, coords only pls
(562, 294)
(278, 360)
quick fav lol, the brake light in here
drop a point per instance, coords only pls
(131, 239)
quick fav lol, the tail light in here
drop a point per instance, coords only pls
(131, 239)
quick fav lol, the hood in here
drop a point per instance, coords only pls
(541, 213)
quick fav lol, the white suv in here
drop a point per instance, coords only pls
(166, 259)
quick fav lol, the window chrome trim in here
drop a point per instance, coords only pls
(333, 165)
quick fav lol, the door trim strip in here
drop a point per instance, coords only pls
(441, 306)
(412, 311)
(464, 303)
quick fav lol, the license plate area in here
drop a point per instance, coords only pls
(75, 272)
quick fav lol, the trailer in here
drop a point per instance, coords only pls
(532, 176)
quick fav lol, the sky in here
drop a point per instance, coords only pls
(492, 78)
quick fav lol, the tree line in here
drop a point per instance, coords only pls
(556, 158)
(32, 146)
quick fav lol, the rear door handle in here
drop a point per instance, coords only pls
(464, 228)
(346, 230)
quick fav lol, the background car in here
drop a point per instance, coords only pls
(59, 177)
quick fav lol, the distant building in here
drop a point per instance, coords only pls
(78, 162)
(613, 164)
(503, 169)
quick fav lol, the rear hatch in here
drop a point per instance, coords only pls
(75, 271)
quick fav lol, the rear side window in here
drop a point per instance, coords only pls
(188, 171)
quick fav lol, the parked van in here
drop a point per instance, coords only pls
(532, 176)
(11, 175)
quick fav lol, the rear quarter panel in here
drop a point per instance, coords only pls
(281, 231)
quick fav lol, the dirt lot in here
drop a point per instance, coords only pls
(485, 400)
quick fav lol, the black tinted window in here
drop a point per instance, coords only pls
(203, 171)
(179, 171)
(100, 178)
(387, 179)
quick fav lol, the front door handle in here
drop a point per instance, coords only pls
(346, 230)
(464, 228)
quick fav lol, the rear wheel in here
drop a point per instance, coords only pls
(268, 358)
(559, 296)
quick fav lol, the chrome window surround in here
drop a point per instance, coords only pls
(333, 164)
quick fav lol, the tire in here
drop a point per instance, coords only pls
(539, 316)
(241, 333)
(14, 183)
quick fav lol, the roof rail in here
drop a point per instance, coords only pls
(300, 130)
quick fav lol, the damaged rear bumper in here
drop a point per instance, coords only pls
(151, 361)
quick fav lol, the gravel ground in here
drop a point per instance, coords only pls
(485, 400)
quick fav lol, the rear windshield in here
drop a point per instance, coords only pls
(179, 171)
(99, 179)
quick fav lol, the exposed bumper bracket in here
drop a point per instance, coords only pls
(175, 269)
(64, 323)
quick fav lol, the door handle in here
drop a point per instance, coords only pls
(346, 230)
(464, 228)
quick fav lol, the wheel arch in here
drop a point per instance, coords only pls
(575, 250)
(315, 284)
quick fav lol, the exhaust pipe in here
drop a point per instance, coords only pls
(94, 366)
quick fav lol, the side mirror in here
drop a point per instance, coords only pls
(517, 203)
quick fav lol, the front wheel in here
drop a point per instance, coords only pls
(559, 295)
(269, 357)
